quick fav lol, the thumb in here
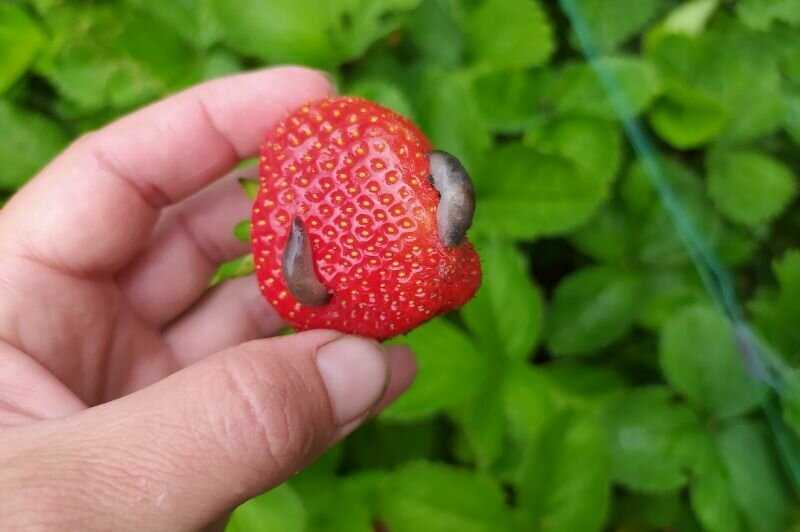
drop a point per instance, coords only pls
(179, 454)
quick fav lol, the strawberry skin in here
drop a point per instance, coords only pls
(356, 177)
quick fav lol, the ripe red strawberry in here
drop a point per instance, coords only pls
(358, 226)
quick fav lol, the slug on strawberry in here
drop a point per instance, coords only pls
(358, 225)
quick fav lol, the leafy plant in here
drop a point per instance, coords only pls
(592, 384)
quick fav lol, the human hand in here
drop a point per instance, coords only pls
(130, 398)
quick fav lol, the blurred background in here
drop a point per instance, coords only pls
(628, 364)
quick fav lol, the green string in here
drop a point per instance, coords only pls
(761, 361)
(715, 277)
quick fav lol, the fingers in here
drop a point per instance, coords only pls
(181, 453)
(190, 241)
(28, 392)
(233, 313)
(94, 206)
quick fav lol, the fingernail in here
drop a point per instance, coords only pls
(355, 372)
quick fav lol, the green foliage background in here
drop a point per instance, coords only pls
(591, 384)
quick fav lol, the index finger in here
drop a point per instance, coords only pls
(94, 206)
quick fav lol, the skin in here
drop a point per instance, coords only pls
(131, 398)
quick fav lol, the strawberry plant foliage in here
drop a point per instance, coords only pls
(591, 384)
(438, 498)
(500, 34)
(652, 440)
(750, 187)
(454, 369)
(35, 139)
(104, 56)
(613, 23)
(699, 358)
(20, 40)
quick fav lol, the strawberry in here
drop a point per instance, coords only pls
(358, 225)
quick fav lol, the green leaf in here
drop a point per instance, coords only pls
(782, 430)
(738, 485)
(509, 34)
(280, 509)
(688, 18)
(30, 140)
(319, 33)
(440, 498)
(581, 386)
(219, 63)
(111, 56)
(613, 22)
(382, 62)
(665, 292)
(523, 193)
(451, 371)
(193, 20)
(232, 269)
(507, 311)
(785, 45)
(726, 64)
(577, 89)
(20, 40)
(449, 115)
(332, 505)
(792, 123)
(278, 31)
(593, 145)
(606, 237)
(658, 242)
(700, 360)
(737, 245)
(529, 403)
(535, 397)
(758, 487)
(749, 187)
(510, 101)
(790, 400)
(711, 498)
(687, 118)
(384, 93)
(591, 309)
(482, 420)
(776, 312)
(651, 436)
(250, 187)
(636, 190)
(564, 481)
(365, 486)
(761, 14)
(360, 23)
(434, 32)
(242, 231)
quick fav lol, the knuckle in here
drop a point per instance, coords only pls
(265, 415)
